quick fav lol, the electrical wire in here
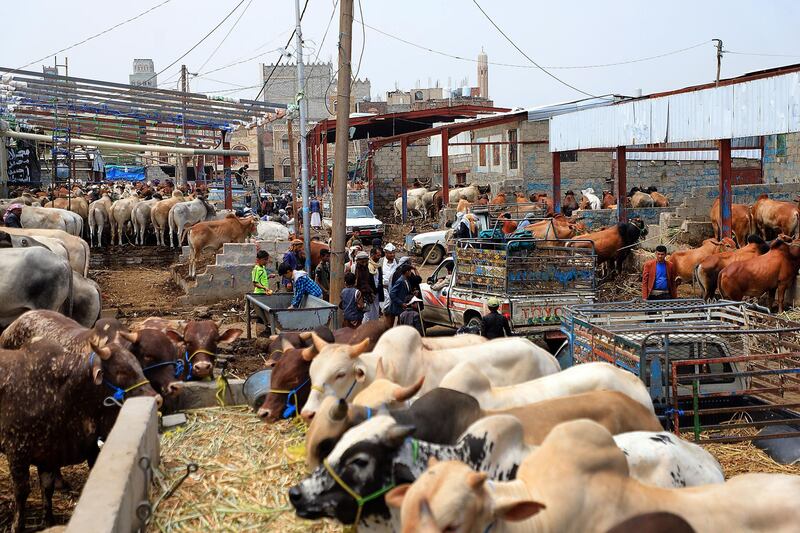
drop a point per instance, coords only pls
(226, 35)
(758, 54)
(363, 42)
(559, 80)
(143, 13)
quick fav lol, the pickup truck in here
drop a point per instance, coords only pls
(533, 279)
(703, 363)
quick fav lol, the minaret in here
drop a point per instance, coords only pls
(483, 74)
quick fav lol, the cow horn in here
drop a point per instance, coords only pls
(286, 345)
(359, 348)
(130, 336)
(338, 411)
(404, 393)
(104, 352)
(396, 434)
(379, 371)
(304, 335)
(272, 337)
(97, 340)
(319, 342)
(308, 354)
(476, 479)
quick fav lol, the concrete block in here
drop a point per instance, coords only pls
(117, 484)
(197, 394)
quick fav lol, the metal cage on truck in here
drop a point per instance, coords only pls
(721, 370)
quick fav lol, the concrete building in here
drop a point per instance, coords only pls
(483, 74)
(143, 75)
(282, 86)
(360, 93)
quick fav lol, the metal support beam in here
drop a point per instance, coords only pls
(622, 185)
(404, 176)
(226, 169)
(325, 182)
(556, 182)
(445, 166)
(3, 168)
(725, 194)
(371, 176)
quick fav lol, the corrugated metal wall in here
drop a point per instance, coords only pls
(754, 108)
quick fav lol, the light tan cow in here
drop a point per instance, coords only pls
(579, 481)
(76, 204)
(99, 218)
(77, 248)
(159, 214)
(121, 216)
(212, 234)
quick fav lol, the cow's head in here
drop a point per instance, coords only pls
(336, 369)
(450, 496)
(384, 392)
(201, 337)
(289, 373)
(158, 357)
(363, 461)
(117, 368)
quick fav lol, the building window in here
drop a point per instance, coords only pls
(482, 155)
(496, 155)
(461, 178)
(418, 96)
(287, 171)
(568, 157)
(285, 142)
(513, 150)
(780, 145)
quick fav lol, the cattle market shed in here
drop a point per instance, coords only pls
(68, 111)
(756, 104)
(403, 127)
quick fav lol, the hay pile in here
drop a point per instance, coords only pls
(245, 470)
(743, 457)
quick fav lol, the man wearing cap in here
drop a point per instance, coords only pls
(658, 277)
(389, 266)
(11, 218)
(495, 325)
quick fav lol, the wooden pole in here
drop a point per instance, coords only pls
(339, 191)
(404, 176)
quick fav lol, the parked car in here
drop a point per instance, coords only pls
(360, 222)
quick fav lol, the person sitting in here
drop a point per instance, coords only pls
(658, 277)
(527, 221)
(352, 302)
(303, 285)
(441, 283)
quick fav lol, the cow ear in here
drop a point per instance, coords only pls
(174, 336)
(308, 354)
(97, 371)
(361, 373)
(475, 480)
(319, 342)
(396, 434)
(379, 372)
(338, 411)
(404, 393)
(230, 335)
(515, 510)
(359, 348)
(394, 498)
(286, 345)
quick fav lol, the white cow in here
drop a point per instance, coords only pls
(467, 377)
(50, 218)
(33, 278)
(469, 193)
(344, 369)
(271, 231)
(140, 217)
(99, 218)
(77, 248)
(190, 213)
(120, 216)
(580, 480)
(414, 204)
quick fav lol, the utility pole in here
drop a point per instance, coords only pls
(180, 171)
(292, 174)
(339, 189)
(3, 160)
(719, 58)
(303, 103)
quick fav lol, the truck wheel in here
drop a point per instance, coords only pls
(434, 253)
(474, 321)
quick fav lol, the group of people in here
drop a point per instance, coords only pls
(378, 285)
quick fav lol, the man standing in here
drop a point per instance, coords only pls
(259, 276)
(322, 274)
(376, 269)
(303, 285)
(658, 277)
(400, 292)
(389, 266)
(494, 324)
(11, 218)
(315, 209)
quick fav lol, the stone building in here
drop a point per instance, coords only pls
(144, 73)
(360, 93)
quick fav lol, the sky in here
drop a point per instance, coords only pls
(554, 34)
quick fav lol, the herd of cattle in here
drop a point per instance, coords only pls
(420, 434)
(61, 386)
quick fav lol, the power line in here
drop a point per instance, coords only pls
(363, 41)
(758, 54)
(143, 13)
(226, 35)
(559, 80)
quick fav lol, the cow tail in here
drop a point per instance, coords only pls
(70, 295)
(86, 252)
(699, 280)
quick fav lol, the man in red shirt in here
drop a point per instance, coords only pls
(658, 277)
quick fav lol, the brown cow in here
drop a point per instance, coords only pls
(569, 204)
(741, 221)
(212, 234)
(159, 214)
(544, 200)
(509, 226)
(608, 200)
(558, 227)
(772, 218)
(613, 244)
(659, 200)
(499, 199)
(463, 206)
(685, 261)
(774, 272)
(291, 370)
(708, 270)
(53, 410)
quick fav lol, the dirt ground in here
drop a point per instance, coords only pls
(64, 501)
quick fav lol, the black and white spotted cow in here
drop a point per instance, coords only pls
(381, 453)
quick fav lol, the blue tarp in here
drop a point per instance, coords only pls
(119, 172)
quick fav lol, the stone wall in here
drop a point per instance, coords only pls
(602, 218)
(697, 206)
(386, 168)
(781, 154)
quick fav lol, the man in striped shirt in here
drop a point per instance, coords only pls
(302, 284)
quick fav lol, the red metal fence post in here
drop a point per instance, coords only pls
(556, 182)
(725, 193)
(445, 167)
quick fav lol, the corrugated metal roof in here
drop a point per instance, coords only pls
(762, 106)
